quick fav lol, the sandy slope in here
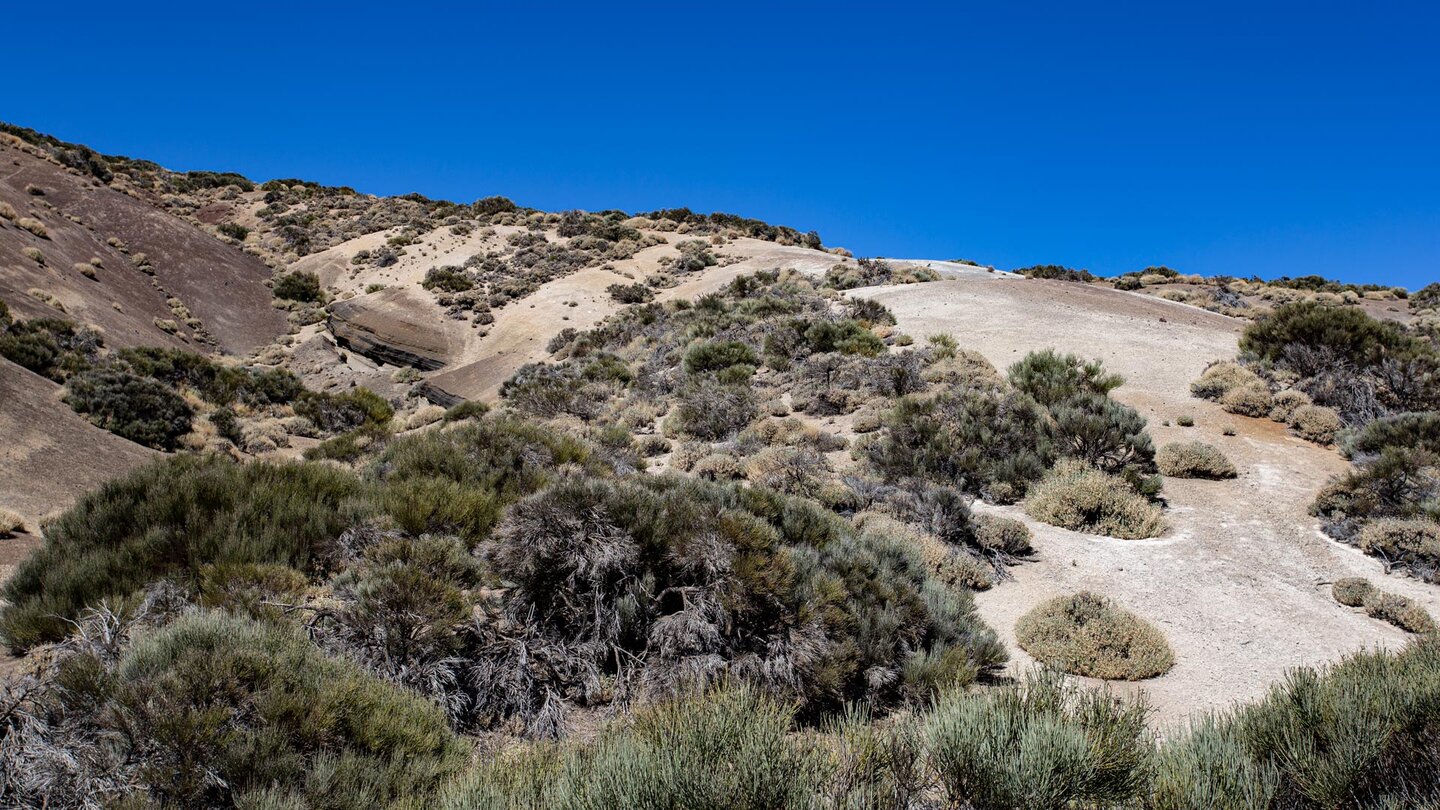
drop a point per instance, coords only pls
(1240, 582)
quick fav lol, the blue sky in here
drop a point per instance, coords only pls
(1254, 138)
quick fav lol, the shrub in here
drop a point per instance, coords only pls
(1086, 634)
(1412, 544)
(469, 409)
(680, 753)
(1080, 498)
(134, 407)
(1249, 400)
(1193, 460)
(1400, 611)
(1038, 744)
(1003, 534)
(215, 706)
(1306, 337)
(713, 410)
(630, 293)
(167, 520)
(720, 355)
(298, 286)
(985, 441)
(1286, 403)
(1055, 272)
(1352, 591)
(448, 279)
(1316, 423)
(1418, 431)
(1185, 421)
(1221, 378)
(1398, 483)
(33, 254)
(1102, 432)
(337, 413)
(1051, 378)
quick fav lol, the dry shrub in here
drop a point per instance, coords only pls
(1352, 591)
(1081, 498)
(425, 415)
(688, 454)
(791, 470)
(34, 226)
(33, 254)
(1286, 403)
(1220, 378)
(10, 523)
(1193, 460)
(963, 367)
(1414, 544)
(1248, 400)
(85, 269)
(1004, 534)
(1089, 635)
(1316, 423)
(945, 562)
(717, 467)
(45, 298)
(1400, 611)
(7, 211)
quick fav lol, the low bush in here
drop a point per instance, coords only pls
(1221, 378)
(128, 405)
(718, 356)
(1103, 433)
(1003, 534)
(1051, 378)
(1418, 431)
(447, 279)
(1041, 743)
(1400, 611)
(10, 523)
(714, 410)
(1285, 403)
(337, 413)
(1248, 400)
(1410, 544)
(1080, 498)
(298, 286)
(1193, 460)
(630, 293)
(1089, 635)
(1307, 337)
(167, 520)
(1316, 423)
(1352, 591)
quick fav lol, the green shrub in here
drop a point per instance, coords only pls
(1055, 272)
(1089, 635)
(1418, 431)
(167, 520)
(217, 705)
(714, 410)
(1051, 378)
(234, 230)
(718, 356)
(134, 407)
(1102, 432)
(630, 293)
(448, 279)
(1080, 498)
(298, 286)
(1193, 460)
(985, 441)
(1306, 337)
(469, 409)
(1352, 591)
(337, 413)
(1398, 483)
(1041, 744)
(1207, 766)
(728, 749)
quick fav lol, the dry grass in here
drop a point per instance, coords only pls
(1081, 498)
(1193, 460)
(1248, 400)
(33, 254)
(1087, 634)
(10, 523)
(34, 226)
(1003, 534)
(1221, 378)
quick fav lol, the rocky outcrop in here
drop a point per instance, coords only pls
(394, 326)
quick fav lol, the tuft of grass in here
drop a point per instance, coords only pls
(1080, 498)
(34, 226)
(1089, 635)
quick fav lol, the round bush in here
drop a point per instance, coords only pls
(1080, 498)
(1002, 534)
(1286, 403)
(1087, 634)
(1220, 378)
(1249, 400)
(1193, 460)
(1413, 543)
(1352, 591)
(1316, 423)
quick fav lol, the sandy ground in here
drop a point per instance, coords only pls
(1239, 584)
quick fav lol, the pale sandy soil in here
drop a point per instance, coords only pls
(1239, 584)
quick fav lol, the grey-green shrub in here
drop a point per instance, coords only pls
(1193, 460)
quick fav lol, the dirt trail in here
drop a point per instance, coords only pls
(1239, 584)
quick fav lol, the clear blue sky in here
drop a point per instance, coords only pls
(1216, 138)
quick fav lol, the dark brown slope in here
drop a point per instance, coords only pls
(219, 284)
(49, 455)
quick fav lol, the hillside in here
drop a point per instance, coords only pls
(358, 501)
